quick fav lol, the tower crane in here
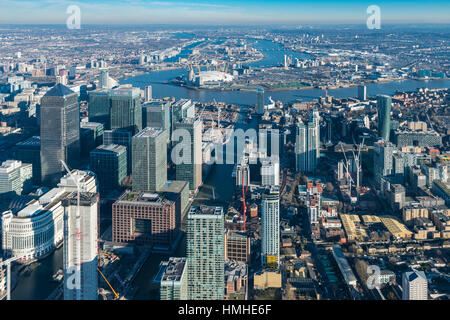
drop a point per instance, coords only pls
(358, 164)
(349, 176)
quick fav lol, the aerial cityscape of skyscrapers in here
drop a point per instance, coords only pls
(224, 163)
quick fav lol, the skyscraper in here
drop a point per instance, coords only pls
(60, 133)
(182, 109)
(104, 79)
(306, 147)
(270, 227)
(29, 151)
(174, 280)
(362, 93)
(383, 160)
(148, 93)
(242, 174)
(414, 285)
(270, 173)
(150, 159)
(99, 107)
(126, 110)
(80, 246)
(121, 137)
(156, 114)
(109, 162)
(192, 170)
(384, 116)
(314, 118)
(205, 253)
(260, 101)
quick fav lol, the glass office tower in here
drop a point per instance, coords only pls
(60, 133)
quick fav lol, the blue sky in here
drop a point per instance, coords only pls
(222, 12)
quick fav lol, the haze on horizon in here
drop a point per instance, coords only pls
(231, 12)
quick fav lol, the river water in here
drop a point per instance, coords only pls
(38, 285)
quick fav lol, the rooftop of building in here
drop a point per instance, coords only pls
(85, 198)
(174, 186)
(144, 198)
(272, 190)
(90, 125)
(155, 104)
(149, 132)
(182, 102)
(10, 165)
(125, 92)
(33, 141)
(206, 210)
(79, 175)
(415, 274)
(235, 270)
(174, 269)
(59, 90)
(110, 148)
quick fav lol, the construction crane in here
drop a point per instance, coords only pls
(358, 164)
(349, 176)
(244, 206)
(115, 293)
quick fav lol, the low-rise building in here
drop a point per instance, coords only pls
(267, 279)
(236, 279)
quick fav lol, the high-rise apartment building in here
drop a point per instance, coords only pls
(384, 116)
(242, 175)
(270, 173)
(270, 227)
(150, 159)
(414, 285)
(80, 246)
(205, 253)
(60, 133)
(383, 160)
(306, 152)
(314, 118)
(173, 284)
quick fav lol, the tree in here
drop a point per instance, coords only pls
(329, 188)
